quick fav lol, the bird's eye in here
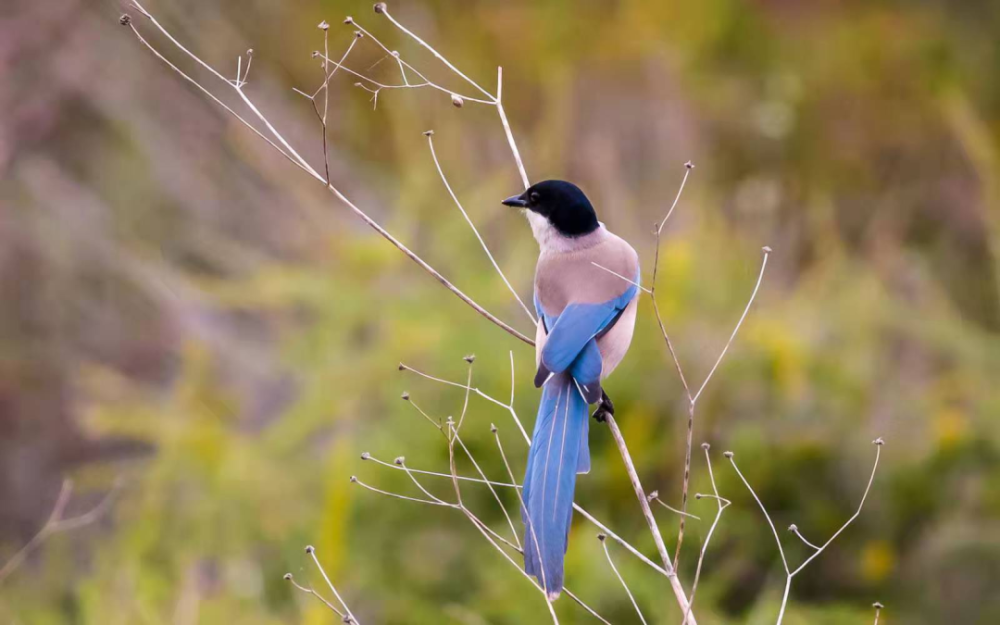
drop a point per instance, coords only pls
(534, 196)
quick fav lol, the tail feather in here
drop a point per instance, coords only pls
(558, 451)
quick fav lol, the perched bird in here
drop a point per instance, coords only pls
(585, 320)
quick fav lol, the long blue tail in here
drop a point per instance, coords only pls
(558, 452)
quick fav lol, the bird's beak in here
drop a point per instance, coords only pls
(517, 201)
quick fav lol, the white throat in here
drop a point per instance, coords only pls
(551, 240)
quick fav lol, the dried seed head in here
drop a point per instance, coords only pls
(125, 19)
(727, 454)
(470, 358)
(310, 549)
(354, 479)
(457, 100)
(287, 577)
(766, 249)
(348, 20)
(250, 52)
(402, 367)
(358, 34)
(878, 605)
(380, 7)
(365, 455)
(357, 84)
(405, 396)
(323, 25)
(689, 165)
(395, 53)
(697, 495)
(399, 461)
(428, 133)
(653, 495)
(601, 536)
(493, 428)
(706, 446)
(315, 54)
(878, 441)
(793, 528)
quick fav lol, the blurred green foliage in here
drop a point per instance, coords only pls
(184, 310)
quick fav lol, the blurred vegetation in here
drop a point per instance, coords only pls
(185, 310)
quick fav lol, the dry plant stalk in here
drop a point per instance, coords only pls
(56, 524)
(449, 428)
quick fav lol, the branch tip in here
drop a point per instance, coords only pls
(358, 34)
(125, 19)
(457, 100)
(354, 479)
(793, 528)
(766, 249)
(348, 20)
(728, 454)
(399, 461)
(365, 455)
(405, 396)
(287, 577)
(493, 428)
(602, 536)
(323, 25)
(380, 8)
(402, 367)
(653, 495)
(469, 358)
(878, 605)
(689, 165)
(428, 133)
(706, 446)
(310, 549)
(878, 441)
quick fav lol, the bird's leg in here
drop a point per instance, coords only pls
(604, 408)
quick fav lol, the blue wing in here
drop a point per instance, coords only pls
(571, 339)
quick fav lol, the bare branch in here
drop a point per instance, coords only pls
(878, 610)
(292, 155)
(604, 544)
(430, 142)
(723, 504)
(760, 278)
(310, 591)
(650, 519)
(795, 530)
(507, 131)
(312, 552)
(790, 574)
(438, 55)
(688, 166)
(56, 523)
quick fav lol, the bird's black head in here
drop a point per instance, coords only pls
(562, 203)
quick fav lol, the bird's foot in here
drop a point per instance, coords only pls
(605, 409)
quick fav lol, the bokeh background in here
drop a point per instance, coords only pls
(186, 314)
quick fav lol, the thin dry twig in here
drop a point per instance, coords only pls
(604, 544)
(430, 143)
(312, 552)
(878, 610)
(789, 573)
(723, 504)
(289, 152)
(310, 591)
(56, 524)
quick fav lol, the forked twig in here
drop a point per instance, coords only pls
(723, 504)
(789, 573)
(56, 523)
(283, 147)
